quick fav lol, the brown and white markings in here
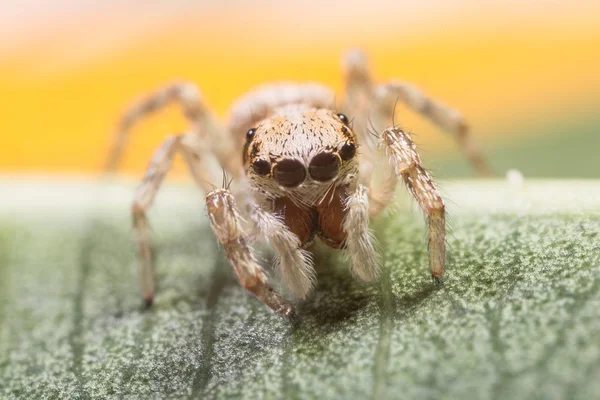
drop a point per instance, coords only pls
(301, 171)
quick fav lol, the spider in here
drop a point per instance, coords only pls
(301, 170)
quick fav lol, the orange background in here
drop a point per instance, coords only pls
(509, 68)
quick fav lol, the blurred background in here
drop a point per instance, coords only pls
(524, 73)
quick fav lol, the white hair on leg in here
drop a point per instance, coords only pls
(405, 158)
(295, 263)
(225, 221)
(360, 243)
(445, 117)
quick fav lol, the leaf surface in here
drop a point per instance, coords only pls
(518, 316)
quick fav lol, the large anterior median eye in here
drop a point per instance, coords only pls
(289, 172)
(324, 166)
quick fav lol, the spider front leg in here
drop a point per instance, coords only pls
(160, 164)
(225, 222)
(443, 116)
(295, 263)
(359, 244)
(372, 105)
(407, 163)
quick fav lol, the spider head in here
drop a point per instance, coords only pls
(299, 147)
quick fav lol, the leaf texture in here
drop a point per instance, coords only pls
(517, 317)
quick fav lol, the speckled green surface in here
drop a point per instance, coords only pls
(518, 317)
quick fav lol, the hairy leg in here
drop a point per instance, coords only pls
(445, 117)
(357, 102)
(144, 197)
(373, 106)
(295, 263)
(225, 222)
(403, 154)
(360, 89)
(204, 123)
(359, 243)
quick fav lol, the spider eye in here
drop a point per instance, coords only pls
(250, 134)
(343, 118)
(347, 151)
(324, 166)
(261, 167)
(289, 172)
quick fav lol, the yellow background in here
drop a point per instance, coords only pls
(509, 69)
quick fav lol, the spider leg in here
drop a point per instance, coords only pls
(382, 193)
(159, 165)
(443, 116)
(295, 263)
(196, 112)
(359, 244)
(372, 106)
(225, 222)
(407, 163)
(358, 97)
(359, 84)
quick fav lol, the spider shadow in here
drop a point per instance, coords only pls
(408, 304)
(339, 296)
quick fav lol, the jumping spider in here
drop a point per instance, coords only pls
(305, 171)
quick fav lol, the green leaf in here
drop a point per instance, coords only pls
(518, 316)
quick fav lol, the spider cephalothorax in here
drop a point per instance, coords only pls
(306, 173)
(300, 152)
(303, 159)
